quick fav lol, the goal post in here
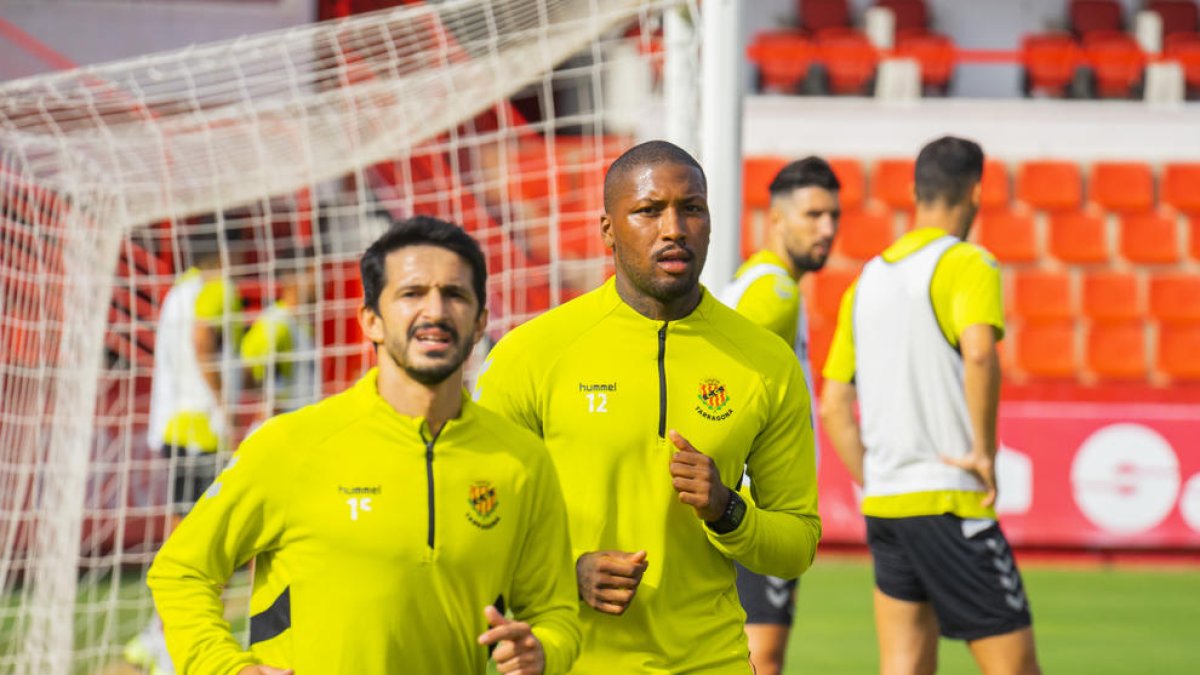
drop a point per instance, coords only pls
(268, 163)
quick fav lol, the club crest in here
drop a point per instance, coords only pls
(713, 395)
(483, 501)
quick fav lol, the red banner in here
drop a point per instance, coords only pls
(1090, 475)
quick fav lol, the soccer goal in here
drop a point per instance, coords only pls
(271, 159)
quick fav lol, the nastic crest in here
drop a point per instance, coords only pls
(713, 395)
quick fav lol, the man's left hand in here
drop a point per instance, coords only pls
(695, 477)
(519, 652)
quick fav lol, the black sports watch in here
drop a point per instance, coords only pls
(729, 521)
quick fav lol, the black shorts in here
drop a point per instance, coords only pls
(963, 567)
(193, 473)
(768, 600)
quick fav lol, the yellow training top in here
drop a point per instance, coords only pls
(377, 546)
(602, 385)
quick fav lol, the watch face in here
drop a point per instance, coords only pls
(737, 510)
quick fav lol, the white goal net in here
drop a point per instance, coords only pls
(268, 162)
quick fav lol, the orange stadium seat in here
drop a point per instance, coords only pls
(757, 174)
(863, 234)
(820, 336)
(849, 173)
(1047, 350)
(1179, 351)
(1117, 61)
(1051, 185)
(1079, 237)
(1184, 48)
(892, 183)
(995, 193)
(828, 287)
(1009, 235)
(911, 15)
(816, 15)
(849, 59)
(1194, 230)
(1181, 186)
(1178, 16)
(783, 58)
(1112, 297)
(935, 54)
(1175, 297)
(1050, 61)
(1117, 350)
(1087, 16)
(1125, 187)
(1150, 238)
(1042, 295)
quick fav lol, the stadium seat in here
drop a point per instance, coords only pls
(1087, 16)
(829, 285)
(863, 234)
(1179, 351)
(1178, 16)
(1117, 63)
(892, 183)
(757, 174)
(817, 15)
(783, 58)
(1041, 296)
(1150, 238)
(1050, 61)
(912, 16)
(849, 59)
(1194, 232)
(1124, 187)
(1111, 297)
(1079, 237)
(1117, 351)
(1181, 186)
(849, 173)
(995, 193)
(1175, 297)
(820, 336)
(1184, 48)
(1009, 235)
(935, 54)
(1050, 185)
(1047, 349)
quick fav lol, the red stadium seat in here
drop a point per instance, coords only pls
(1079, 237)
(1009, 235)
(1124, 187)
(1150, 238)
(1179, 351)
(757, 174)
(892, 183)
(816, 15)
(849, 59)
(911, 15)
(1178, 16)
(1050, 185)
(820, 337)
(1087, 16)
(849, 173)
(1181, 186)
(1112, 297)
(1047, 350)
(1184, 48)
(1175, 297)
(936, 55)
(1050, 61)
(829, 285)
(783, 58)
(1194, 231)
(1117, 61)
(1042, 296)
(863, 234)
(995, 193)
(1117, 351)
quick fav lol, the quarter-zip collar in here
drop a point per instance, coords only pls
(366, 392)
(612, 301)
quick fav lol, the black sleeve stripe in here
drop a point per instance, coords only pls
(273, 620)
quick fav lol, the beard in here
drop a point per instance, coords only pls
(436, 372)
(809, 262)
(664, 289)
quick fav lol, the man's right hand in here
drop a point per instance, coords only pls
(263, 670)
(608, 580)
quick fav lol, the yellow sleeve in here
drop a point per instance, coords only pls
(779, 533)
(239, 516)
(966, 291)
(506, 384)
(839, 365)
(267, 338)
(544, 592)
(772, 302)
(216, 298)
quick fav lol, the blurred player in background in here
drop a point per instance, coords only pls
(280, 349)
(196, 380)
(801, 224)
(653, 399)
(915, 346)
(392, 523)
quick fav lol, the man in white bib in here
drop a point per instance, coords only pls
(915, 346)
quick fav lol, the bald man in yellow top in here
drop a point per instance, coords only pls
(915, 347)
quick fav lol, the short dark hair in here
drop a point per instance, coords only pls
(420, 231)
(802, 173)
(947, 169)
(642, 154)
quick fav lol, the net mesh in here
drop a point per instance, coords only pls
(269, 162)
